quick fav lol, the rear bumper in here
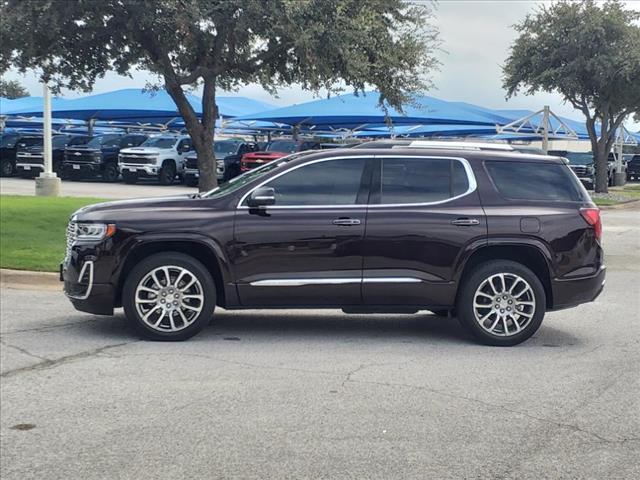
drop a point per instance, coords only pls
(571, 292)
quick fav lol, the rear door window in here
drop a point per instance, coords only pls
(535, 181)
(421, 180)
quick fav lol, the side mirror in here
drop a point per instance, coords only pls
(262, 197)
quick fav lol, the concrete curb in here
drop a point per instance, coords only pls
(622, 205)
(26, 278)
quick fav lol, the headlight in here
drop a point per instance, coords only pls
(94, 231)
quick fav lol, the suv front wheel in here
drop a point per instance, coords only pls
(501, 303)
(169, 296)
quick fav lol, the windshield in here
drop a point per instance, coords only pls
(59, 141)
(579, 158)
(159, 142)
(223, 149)
(239, 182)
(286, 146)
(8, 141)
(103, 140)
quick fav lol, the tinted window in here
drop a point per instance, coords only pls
(185, 145)
(284, 146)
(105, 141)
(333, 182)
(421, 180)
(78, 141)
(131, 141)
(160, 142)
(535, 181)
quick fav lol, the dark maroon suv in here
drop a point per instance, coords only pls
(481, 232)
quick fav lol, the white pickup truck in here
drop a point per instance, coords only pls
(161, 156)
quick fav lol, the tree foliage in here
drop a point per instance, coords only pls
(589, 53)
(320, 44)
(12, 89)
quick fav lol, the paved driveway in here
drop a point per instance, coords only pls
(95, 188)
(275, 394)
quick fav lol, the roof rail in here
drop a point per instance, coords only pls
(458, 145)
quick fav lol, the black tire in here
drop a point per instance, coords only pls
(110, 173)
(173, 259)
(130, 177)
(167, 173)
(465, 303)
(7, 168)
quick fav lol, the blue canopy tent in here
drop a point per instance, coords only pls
(427, 131)
(357, 112)
(135, 105)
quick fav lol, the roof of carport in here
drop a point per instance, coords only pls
(352, 111)
(135, 105)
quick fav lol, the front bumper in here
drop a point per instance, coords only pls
(91, 168)
(191, 173)
(29, 167)
(145, 170)
(575, 291)
(85, 277)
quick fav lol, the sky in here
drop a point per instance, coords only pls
(476, 36)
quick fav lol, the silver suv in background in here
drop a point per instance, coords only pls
(161, 157)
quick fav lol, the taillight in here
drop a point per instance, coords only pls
(592, 217)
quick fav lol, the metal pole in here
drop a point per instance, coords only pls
(48, 162)
(545, 129)
(47, 184)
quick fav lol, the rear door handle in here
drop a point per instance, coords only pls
(346, 222)
(465, 222)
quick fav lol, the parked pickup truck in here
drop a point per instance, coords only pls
(633, 169)
(227, 153)
(30, 159)
(10, 142)
(99, 157)
(161, 157)
(276, 149)
(582, 165)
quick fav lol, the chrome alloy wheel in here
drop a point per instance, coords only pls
(504, 304)
(169, 298)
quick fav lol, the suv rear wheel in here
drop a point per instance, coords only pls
(501, 303)
(7, 168)
(169, 297)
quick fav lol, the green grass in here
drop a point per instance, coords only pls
(605, 202)
(32, 230)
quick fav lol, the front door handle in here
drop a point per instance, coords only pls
(465, 222)
(346, 222)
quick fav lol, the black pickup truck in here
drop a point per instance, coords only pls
(30, 159)
(10, 143)
(99, 157)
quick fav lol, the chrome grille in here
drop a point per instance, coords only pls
(192, 162)
(579, 169)
(72, 234)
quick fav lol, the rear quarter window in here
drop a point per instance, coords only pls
(535, 181)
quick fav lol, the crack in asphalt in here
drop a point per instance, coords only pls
(24, 351)
(52, 363)
(348, 378)
(51, 327)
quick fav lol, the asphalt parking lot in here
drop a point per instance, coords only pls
(293, 394)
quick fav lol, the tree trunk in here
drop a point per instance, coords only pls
(602, 168)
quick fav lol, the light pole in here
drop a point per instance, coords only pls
(47, 184)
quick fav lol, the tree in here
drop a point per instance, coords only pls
(387, 44)
(590, 54)
(12, 89)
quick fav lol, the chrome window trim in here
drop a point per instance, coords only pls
(465, 163)
(299, 282)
